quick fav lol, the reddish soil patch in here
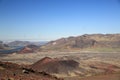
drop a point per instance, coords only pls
(26, 50)
(103, 77)
(29, 49)
(10, 71)
(108, 68)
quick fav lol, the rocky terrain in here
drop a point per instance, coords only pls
(12, 71)
(56, 66)
(20, 47)
(28, 49)
(105, 42)
(86, 57)
(75, 66)
(23, 49)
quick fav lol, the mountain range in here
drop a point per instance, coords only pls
(25, 43)
(86, 41)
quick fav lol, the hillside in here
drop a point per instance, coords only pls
(3, 46)
(19, 43)
(25, 43)
(87, 41)
(56, 66)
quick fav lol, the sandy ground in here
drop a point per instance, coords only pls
(84, 58)
(30, 58)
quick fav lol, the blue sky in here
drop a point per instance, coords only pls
(52, 19)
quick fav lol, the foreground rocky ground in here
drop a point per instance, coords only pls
(12, 71)
(92, 65)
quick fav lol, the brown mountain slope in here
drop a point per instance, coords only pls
(28, 49)
(85, 41)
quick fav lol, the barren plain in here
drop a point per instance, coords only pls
(90, 63)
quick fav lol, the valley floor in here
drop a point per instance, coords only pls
(93, 65)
